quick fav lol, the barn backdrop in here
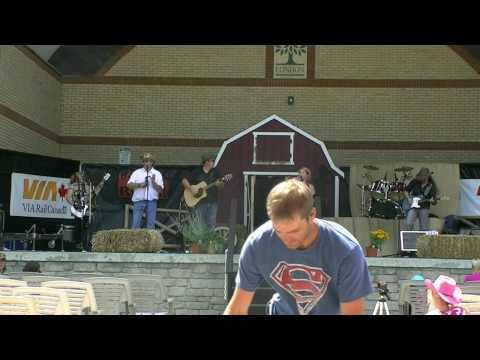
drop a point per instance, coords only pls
(267, 153)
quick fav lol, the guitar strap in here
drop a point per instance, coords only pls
(427, 190)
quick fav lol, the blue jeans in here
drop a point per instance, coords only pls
(138, 210)
(207, 213)
(422, 215)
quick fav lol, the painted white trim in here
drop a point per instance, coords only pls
(252, 201)
(269, 133)
(245, 199)
(270, 173)
(337, 196)
(286, 123)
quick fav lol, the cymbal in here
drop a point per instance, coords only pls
(370, 167)
(404, 169)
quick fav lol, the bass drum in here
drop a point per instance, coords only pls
(385, 209)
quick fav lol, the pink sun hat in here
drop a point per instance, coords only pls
(446, 288)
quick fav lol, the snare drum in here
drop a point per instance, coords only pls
(379, 189)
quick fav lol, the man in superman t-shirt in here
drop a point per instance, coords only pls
(315, 266)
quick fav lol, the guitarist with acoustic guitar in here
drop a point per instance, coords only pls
(201, 190)
(420, 193)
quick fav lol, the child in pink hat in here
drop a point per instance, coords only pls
(445, 296)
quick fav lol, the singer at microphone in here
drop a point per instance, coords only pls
(145, 192)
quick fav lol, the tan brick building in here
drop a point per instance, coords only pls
(367, 103)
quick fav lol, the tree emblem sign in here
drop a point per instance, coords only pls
(290, 62)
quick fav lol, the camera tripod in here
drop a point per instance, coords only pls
(381, 306)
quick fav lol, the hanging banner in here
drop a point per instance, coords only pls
(469, 201)
(39, 196)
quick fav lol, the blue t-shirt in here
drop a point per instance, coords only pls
(312, 281)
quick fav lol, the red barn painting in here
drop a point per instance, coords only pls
(265, 154)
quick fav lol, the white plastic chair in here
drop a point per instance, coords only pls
(50, 301)
(113, 295)
(16, 305)
(149, 294)
(413, 298)
(7, 285)
(80, 295)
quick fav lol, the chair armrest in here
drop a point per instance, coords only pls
(171, 306)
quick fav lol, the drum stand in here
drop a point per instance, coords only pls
(363, 209)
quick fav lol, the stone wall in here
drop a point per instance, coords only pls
(196, 282)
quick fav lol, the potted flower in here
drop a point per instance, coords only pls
(377, 238)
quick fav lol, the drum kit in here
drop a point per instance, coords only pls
(382, 198)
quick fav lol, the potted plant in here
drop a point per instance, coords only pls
(216, 242)
(195, 234)
(377, 238)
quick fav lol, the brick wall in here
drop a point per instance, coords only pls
(234, 61)
(330, 114)
(30, 91)
(108, 154)
(219, 112)
(18, 138)
(390, 62)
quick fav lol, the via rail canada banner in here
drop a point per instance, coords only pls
(39, 196)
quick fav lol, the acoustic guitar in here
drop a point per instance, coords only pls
(199, 191)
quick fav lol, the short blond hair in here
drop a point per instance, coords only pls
(289, 199)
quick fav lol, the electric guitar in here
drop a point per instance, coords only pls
(199, 191)
(81, 203)
(416, 202)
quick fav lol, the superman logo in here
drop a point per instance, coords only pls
(305, 284)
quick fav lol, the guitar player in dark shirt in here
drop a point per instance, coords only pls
(206, 208)
(420, 193)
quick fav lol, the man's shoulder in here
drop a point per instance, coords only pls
(156, 171)
(337, 232)
(136, 171)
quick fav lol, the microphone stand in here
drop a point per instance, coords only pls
(146, 182)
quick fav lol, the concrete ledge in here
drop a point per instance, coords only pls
(51, 256)
(419, 263)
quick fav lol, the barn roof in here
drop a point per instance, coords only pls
(287, 124)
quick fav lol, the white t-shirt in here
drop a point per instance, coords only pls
(139, 176)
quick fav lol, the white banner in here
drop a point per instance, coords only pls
(469, 201)
(39, 196)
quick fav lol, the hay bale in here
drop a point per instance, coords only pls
(449, 247)
(126, 240)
